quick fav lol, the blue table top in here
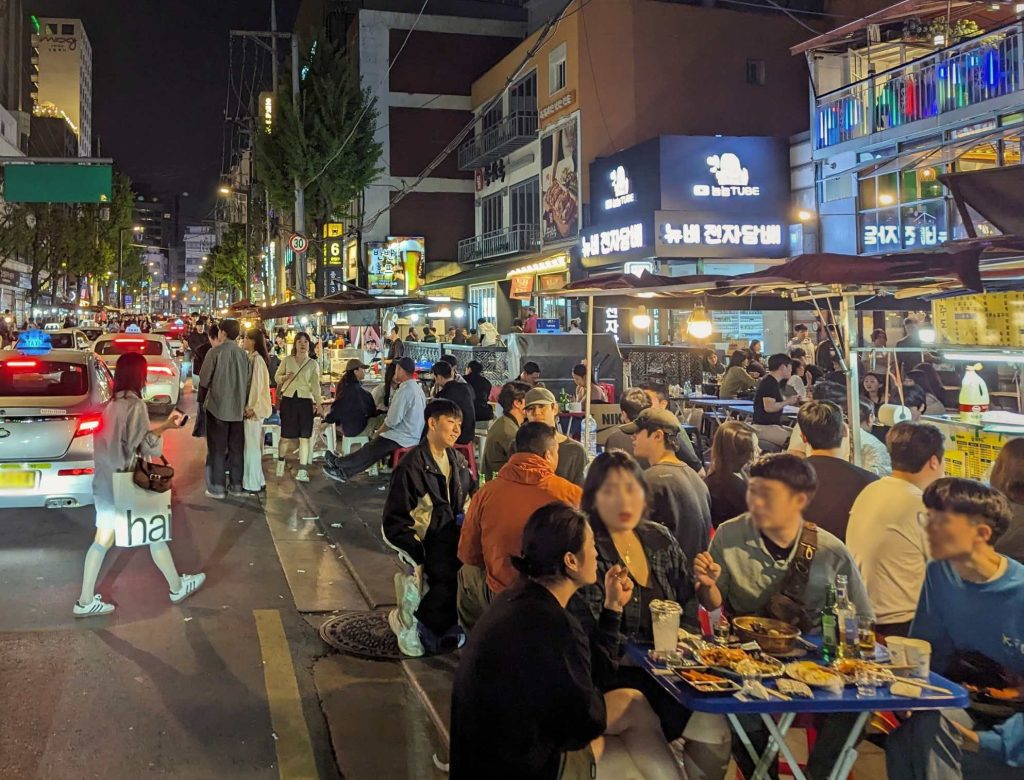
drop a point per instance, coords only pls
(823, 701)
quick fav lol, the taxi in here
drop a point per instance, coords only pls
(51, 404)
(163, 375)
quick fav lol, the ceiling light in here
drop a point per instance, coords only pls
(699, 324)
(642, 320)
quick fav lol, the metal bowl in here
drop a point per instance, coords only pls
(773, 636)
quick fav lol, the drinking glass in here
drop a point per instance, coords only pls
(866, 637)
(866, 680)
(665, 622)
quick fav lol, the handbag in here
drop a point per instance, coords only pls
(155, 477)
(788, 604)
(141, 517)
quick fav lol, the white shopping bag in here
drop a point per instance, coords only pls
(142, 517)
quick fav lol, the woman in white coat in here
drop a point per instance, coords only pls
(257, 409)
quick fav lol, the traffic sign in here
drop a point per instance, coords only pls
(298, 243)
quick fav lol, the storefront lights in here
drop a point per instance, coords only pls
(642, 320)
(460, 313)
(699, 324)
(543, 266)
(414, 318)
(926, 332)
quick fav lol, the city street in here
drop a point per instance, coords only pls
(218, 687)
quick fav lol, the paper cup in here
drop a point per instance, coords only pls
(890, 414)
(897, 650)
(919, 656)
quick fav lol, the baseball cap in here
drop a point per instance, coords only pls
(653, 418)
(539, 396)
(407, 364)
(355, 363)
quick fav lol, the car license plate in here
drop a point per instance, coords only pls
(18, 480)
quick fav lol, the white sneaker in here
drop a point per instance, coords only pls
(301, 476)
(94, 608)
(408, 638)
(190, 583)
(280, 468)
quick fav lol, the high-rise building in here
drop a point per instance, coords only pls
(65, 77)
(199, 242)
(18, 69)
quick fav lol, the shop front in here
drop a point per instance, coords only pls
(690, 205)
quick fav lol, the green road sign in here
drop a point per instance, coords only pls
(57, 183)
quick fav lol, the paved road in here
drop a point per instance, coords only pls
(156, 689)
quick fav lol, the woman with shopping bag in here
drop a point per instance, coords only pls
(257, 409)
(124, 436)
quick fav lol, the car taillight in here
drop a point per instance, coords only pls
(74, 472)
(22, 364)
(129, 341)
(88, 425)
(160, 370)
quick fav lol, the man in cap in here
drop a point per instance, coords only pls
(679, 498)
(403, 427)
(353, 408)
(541, 406)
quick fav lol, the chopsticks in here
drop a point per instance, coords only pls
(924, 685)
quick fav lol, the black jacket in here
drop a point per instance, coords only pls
(353, 407)
(199, 355)
(462, 394)
(482, 390)
(529, 687)
(422, 520)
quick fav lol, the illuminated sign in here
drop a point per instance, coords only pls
(396, 266)
(637, 268)
(334, 244)
(888, 236)
(608, 242)
(621, 189)
(611, 321)
(267, 111)
(731, 179)
(713, 234)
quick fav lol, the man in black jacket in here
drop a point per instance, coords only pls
(423, 512)
(460, 393)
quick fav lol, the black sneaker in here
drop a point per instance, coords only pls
(336, 474)
(237, 492)
(331, 460)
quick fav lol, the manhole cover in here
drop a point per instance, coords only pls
(362, 634)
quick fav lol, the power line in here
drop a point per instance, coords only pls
(366, 106)
(546, 32)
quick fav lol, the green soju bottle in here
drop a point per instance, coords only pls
(829, 627)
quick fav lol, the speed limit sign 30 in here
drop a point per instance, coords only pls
(298, 243)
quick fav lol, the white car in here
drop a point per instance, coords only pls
(70, 338)
(51, 402)
(163, 377)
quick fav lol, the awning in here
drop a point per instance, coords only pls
(476, 275)
(995, 193)
(942, 155)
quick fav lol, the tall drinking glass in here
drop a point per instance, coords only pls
(665, 622)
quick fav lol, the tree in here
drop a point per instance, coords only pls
(328, 144)
(225, 268)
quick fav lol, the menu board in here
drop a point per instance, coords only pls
(990, 320)
(738, 325)
(973, 455)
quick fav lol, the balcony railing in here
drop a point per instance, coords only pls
(507, 241)
(964, 75)
(512, 132)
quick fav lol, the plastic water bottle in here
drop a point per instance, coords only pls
(591, 437)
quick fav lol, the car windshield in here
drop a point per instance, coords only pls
(62, 340)
(92, 333)
(120, 346)
(32, 377)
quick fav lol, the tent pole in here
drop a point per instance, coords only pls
(590, 371)
(848, 316)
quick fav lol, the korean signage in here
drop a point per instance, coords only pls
(608, 242)
(563, 102)
(522, 287)
(876, 238)
(712, 234)
(333, 243)
(622, 189)
(560, 182)
(396, 266)
(267, 111)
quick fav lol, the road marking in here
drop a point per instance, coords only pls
(294, 747)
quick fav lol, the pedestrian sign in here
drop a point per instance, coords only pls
(298, 243)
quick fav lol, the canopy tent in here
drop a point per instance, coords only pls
(350, 300)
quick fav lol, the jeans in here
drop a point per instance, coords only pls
(360, 460)
(928, 747)
(225, 444)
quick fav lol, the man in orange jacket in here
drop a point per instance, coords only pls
(497, 515)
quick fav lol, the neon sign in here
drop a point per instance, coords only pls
(608, 242)
(769, 235)
(621, 187)
(731, 179)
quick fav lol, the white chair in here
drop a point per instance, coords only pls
(351, 443)
(275, 438)
(330, 438)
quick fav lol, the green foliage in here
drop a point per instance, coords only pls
(225, 267)
(334, 113)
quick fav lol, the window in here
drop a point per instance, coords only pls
(492, 117)
(524, 202)
(67, 29)
(483, 301)
(492, 213)
(905, 210)
(755, 72)
(556, 70)
(51, 29)
(42, 378)
(836, 188)
(522, 97)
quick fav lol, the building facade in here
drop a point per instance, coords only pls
(608, 78)
(199, 242)
(65, 76)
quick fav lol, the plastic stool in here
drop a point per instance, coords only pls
(352, 443)
(274, 428)
(398, 454)
(468, 451)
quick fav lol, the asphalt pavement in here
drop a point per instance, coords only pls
(220, 686)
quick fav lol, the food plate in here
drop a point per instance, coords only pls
(814, 674)
(729, 659)
(705, 683)
(847, 669)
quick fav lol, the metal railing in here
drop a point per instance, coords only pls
(507, 241)
(512, 132)
(959, 76)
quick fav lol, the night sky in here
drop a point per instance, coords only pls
(159, 84)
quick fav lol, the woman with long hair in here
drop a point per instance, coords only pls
(298, 392)
(1008, 479)
(872, 388)
(737, 381)
(528, 699)
(925, 377)
(733, 449)
(353, 407)
(257, 409)
(123, 436)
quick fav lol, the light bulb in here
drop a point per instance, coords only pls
(926, 333)
(699, 325)
(642, 320)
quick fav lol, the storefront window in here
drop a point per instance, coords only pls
(920, 219)
(483, 300)
(979, 157)
(1011, 150)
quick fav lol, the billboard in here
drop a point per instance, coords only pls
(560, 182)
(396, 266)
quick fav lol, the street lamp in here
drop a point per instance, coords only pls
(120, 262)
